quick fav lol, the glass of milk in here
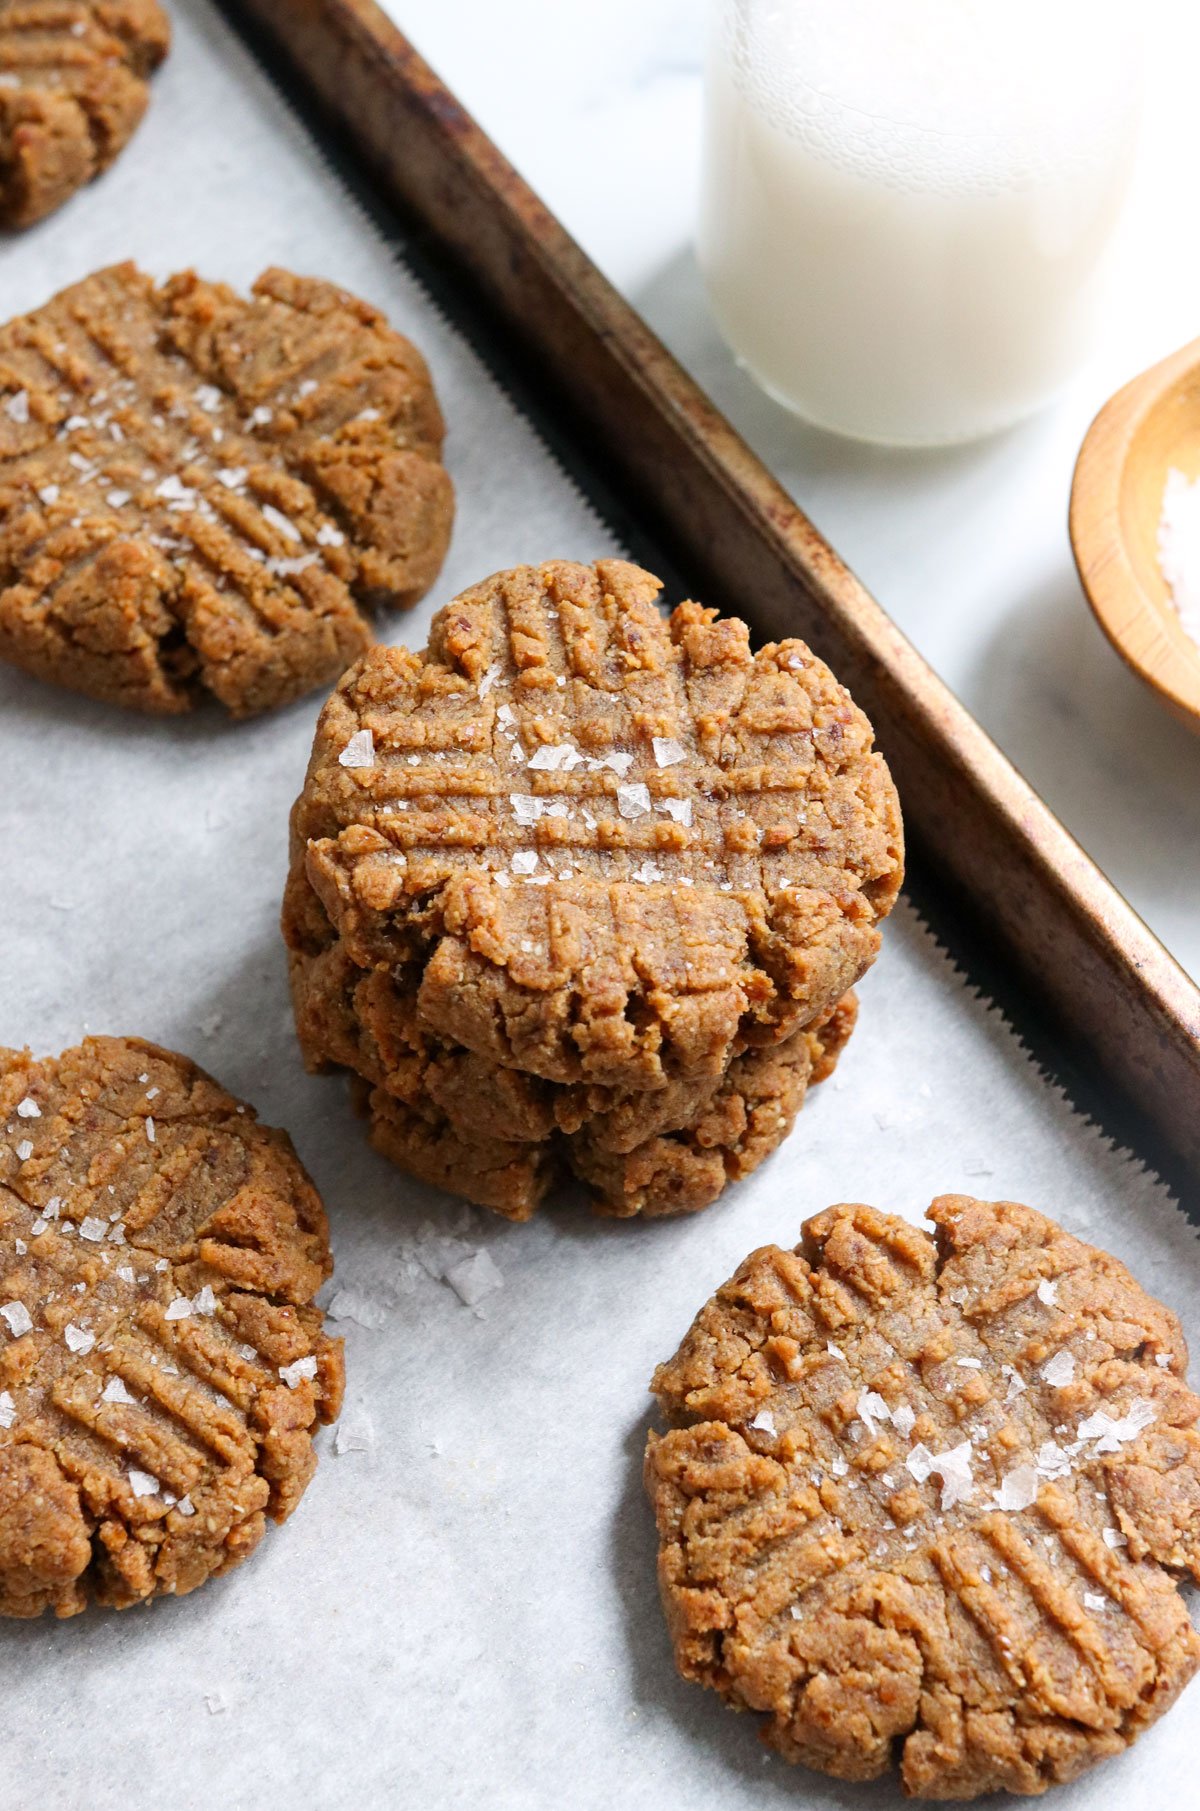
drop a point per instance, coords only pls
(905, 202)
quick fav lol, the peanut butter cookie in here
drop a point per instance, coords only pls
(73, 77)
(200, 492)
(162, 1366)
(929, 1500)
(580, 858)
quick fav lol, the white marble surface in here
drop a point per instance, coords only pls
(598, 102)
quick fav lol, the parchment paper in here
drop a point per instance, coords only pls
(463, 1609)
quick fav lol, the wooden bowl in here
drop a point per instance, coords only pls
(1148, 428)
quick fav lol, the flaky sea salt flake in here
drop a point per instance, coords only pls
(179, 1310)
(1016, 1383)
(1052, 1461)
(555, 757)
(526, 808)
(93, 1229)
(288, 569)
(79, 1339)
(1059, 1371)
(143, 1483)
(474, 1278)
(1047, 1292)
(954, 1469)
(355, 1433)
(764, 1422)
(920, 1462)
(115, 1391)
(633, 800)
(667, 751)
(1018, 1488)
(351, 1304)
(172, 489)
(872, 1411)
(359, 750)
(304, 1369)
(16, 1314)
(28, 1108)
(1111, 1432)
(284, 524)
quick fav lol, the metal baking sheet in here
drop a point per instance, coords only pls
(463, 1608)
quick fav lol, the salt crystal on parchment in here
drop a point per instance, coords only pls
(354, 1433)
(474, 1278)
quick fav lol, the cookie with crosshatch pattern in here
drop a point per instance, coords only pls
(162, 1366)
(930, 1500)
(73, 89)
(596, 852)
(201, 492)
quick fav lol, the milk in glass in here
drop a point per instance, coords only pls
(905, 202)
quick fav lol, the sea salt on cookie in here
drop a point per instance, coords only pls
(203, 493)
(929, 1500)
(502, 1155)
(592, 850)
(73, 89)
(162, 1366)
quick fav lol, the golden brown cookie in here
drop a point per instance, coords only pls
(73, 77)
(162, 1366)
(929, 1499)
(594, 852)
(511, 1149)
(200, 492)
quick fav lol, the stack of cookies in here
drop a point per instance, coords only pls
(582, 887)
